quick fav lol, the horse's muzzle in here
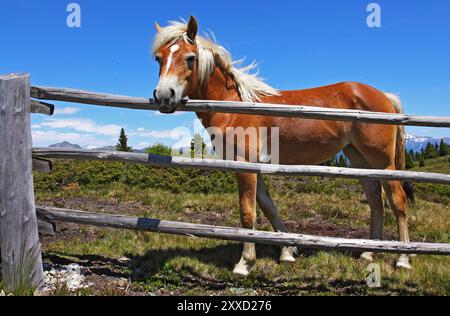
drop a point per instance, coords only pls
(167, 109)
(166, 101)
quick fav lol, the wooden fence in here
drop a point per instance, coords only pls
(19, 224)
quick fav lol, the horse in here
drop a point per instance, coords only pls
(196, 67)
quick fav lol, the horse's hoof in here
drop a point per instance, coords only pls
(243, 268)
(287, 254)
(368, 256)
(403, 263)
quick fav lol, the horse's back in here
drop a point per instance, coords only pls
(320, 140)
(342, 95)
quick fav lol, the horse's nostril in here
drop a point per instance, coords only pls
(172, 92)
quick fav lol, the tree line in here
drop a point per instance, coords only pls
(430, 151)
(198, 147)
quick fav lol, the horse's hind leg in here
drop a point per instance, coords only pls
(247, 203)
(396, 197)
(397, 200)
(373, 192)
(269, 209)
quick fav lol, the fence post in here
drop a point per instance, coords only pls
(20, 246)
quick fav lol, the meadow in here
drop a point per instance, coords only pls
(130, 263)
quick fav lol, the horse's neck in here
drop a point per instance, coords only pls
(218, 88)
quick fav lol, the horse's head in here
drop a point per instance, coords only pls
(178, 62)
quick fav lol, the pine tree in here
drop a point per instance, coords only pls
(409, 161)
(412, 154)
(122, 145)
(444, 149)
(417, 156)
(330, 163)
(422, 161)
(430, 151)
(342, 162)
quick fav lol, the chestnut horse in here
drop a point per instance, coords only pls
(195, 67)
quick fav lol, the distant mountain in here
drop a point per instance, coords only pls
(140, 151)
(416, 143)
(65, 145)
(106, 148)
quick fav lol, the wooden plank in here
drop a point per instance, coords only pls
(299, 111)
(235, 166)
(46, 228)
(92, 98)
(237, 234)
(41, 107)
(42, 165)
(20, 246)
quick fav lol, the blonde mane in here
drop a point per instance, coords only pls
(210, 55)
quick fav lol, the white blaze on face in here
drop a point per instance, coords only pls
(170, 82)
(173, 49)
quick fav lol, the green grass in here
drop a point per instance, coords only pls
(432, 192)
(163, 264)
(170, 264)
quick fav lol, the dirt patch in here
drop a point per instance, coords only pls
(319, 227)
(90, 204)
(113, 276)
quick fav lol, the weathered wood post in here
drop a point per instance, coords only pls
(20, 246)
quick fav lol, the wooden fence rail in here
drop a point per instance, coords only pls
(307, 112)
(237, 234)
(235, 166)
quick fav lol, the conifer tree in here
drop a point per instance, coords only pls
(122, 145)
(422, 161)
(430, 151)
(409, 161)
(444, 149)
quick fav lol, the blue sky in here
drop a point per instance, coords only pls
(298, 44)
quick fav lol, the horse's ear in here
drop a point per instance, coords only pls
(158, 27)
(192, 28)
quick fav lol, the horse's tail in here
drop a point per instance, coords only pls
(400, 147)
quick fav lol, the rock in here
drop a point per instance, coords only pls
(122, 282)
(237, 291)
(124, 260)
(70, 276)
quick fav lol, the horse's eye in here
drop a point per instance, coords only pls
(190, 60)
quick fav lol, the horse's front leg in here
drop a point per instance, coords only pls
(247, 203)
(269, 209)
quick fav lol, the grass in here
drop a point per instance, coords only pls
(173, 265)
(170, 264)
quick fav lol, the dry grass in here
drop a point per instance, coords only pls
(167, 265)
(162, 264)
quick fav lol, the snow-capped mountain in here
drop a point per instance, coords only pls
(416, 143)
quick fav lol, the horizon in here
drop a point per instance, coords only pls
(425, 140)
(110, 53)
